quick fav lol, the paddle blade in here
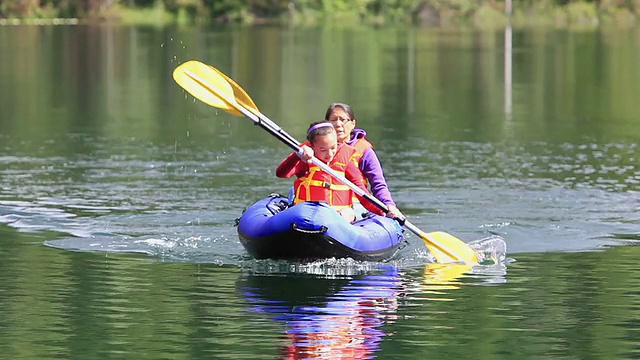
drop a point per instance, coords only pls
(206, 85)
(241, 96)
(448, 248)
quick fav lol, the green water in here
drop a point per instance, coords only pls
(118, 193)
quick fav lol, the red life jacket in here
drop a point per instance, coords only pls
(317, 185)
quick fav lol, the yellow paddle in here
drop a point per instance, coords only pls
(214, 88)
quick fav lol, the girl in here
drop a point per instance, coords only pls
(313, 184)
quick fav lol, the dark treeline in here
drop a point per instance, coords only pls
(421, 12)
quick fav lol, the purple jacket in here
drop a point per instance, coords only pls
(372, 170)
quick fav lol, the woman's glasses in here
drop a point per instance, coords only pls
(336, 120)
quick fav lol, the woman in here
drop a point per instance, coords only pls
(343, 119)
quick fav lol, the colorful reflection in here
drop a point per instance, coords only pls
(344, 316)
(440, 278)
(328, 318)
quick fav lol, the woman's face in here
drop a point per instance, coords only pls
(325, 147)
(342, 123)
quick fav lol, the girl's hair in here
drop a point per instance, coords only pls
(343, 106)
(319, 128)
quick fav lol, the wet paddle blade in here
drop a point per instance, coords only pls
(448, 248)
(206, 85)
(241, 96)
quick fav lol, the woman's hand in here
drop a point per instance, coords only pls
(395, 213)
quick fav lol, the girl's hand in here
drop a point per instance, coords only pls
(305, 153)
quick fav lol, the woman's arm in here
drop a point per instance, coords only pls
(352, 173)
(373, 172)
(372, 169)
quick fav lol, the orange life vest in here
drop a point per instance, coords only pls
(317, 185)
(361, 145)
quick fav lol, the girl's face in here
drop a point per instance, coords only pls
(325, 147)
(342, 123)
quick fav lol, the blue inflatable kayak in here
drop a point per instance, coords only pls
(272, 229)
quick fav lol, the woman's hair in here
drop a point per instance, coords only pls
(319, 128)
(343, 106)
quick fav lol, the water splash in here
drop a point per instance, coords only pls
(490, 250)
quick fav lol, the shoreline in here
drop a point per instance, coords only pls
(579, 16)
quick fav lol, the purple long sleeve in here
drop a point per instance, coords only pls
(372, 170)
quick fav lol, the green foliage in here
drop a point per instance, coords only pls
(619, 11)
(146, 3)
(67, 8)
(269, 8)
(581, 13)
(222, 11)
(155, 15)
(396, 11)
(483, 13)
(487, 17)
(21, 8)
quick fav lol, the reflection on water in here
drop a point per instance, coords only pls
(439, 278)
(338, 317)
(347, 316)
(92, 305)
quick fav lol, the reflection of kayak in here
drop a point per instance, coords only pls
(271, 229)
(327, 318)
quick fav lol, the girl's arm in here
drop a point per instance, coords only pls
(291, 166)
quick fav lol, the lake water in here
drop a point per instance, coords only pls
(119, 193)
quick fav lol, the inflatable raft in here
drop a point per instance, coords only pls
(273, 229)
